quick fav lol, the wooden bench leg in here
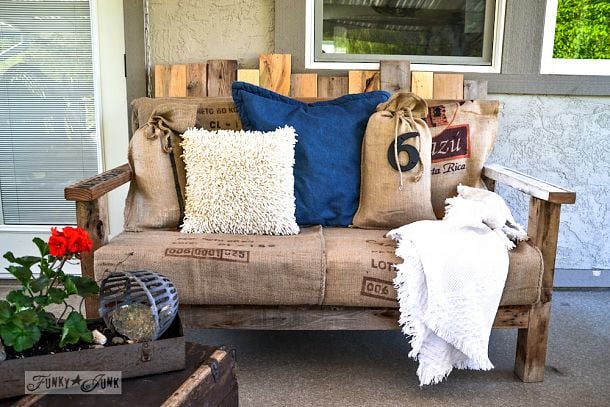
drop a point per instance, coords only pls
(532, 344)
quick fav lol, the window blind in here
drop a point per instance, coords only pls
(48, 135)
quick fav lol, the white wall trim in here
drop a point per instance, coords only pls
(559, 66)
(495, 67)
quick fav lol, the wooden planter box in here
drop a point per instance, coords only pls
(138, 359)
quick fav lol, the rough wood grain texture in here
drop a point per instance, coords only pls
(248, 76)
(543, 229)
(92, 216)
(395, 75)
(220, 75)
(529, 185)
(170, 80)
(196, 80)
(92, 188)
(475, 89)
(332, 86)
(133, 360)
(315, 317)
(275, 70)
(202, 388)
(422, 84)
(304, 85)
(363, 81)
(532, 344)
(448, 86)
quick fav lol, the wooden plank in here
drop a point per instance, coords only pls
(202, 387)
(196, 80)
(274, 71)
(532, 344)
(475, 89)
(395, 75)
(316, 317)
(162, 77)
(543, 229)
(170, 80)
(94, 187)
(422, 84)
(529, 185)
(248, 76)
(304, 85)
(221, 74)
(448, 86)
(92, 216)
(363, 81)
(332, 86)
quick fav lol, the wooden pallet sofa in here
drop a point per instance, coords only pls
(325, 299)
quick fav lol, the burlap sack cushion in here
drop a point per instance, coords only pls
(463, 136)
(240, 182)
(395, 184)
(156, 193)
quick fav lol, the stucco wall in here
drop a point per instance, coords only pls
(197, 30)
(563, 140)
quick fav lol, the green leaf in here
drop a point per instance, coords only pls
(46, 320)
(85, 286)
(23, 274)
(27, 317)
(19, 337)
(42, 300)
(69, 285)
(40, 283)
(43, 247)
(6, 311)
(25, 261)
(57, 295)
(19, 298)
(75, 330)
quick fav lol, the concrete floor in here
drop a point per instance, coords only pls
(358, 368)
(372, 369)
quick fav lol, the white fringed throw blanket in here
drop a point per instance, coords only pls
(450, 283)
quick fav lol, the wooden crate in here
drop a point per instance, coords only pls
(208, 380)
(137, 359)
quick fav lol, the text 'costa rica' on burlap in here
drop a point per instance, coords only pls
(158, 185)
(463, 136)
(395, 180)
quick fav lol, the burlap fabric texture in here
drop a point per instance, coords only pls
(396, 155)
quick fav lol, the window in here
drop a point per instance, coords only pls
(576, 37)
(48, 132)
(440, 34)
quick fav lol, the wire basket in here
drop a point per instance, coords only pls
(122, 288)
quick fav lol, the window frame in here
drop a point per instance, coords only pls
(313, 27)
(560, 66)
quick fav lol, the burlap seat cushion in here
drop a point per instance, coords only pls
(359, 272)
(225, 269)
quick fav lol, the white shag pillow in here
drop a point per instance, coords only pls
(240, 182)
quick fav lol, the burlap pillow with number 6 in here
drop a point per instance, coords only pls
(463, 135)
(395, 181)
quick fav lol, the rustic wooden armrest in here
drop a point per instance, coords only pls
(95, 187)
(544, 212)
(529, 185)
(92, 215)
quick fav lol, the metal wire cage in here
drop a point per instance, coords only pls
(121, 288)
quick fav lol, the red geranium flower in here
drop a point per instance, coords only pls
(69, 241)
(57, 243)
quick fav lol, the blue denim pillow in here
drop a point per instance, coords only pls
(327, 153)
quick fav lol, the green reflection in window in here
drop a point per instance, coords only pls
(582, 29)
